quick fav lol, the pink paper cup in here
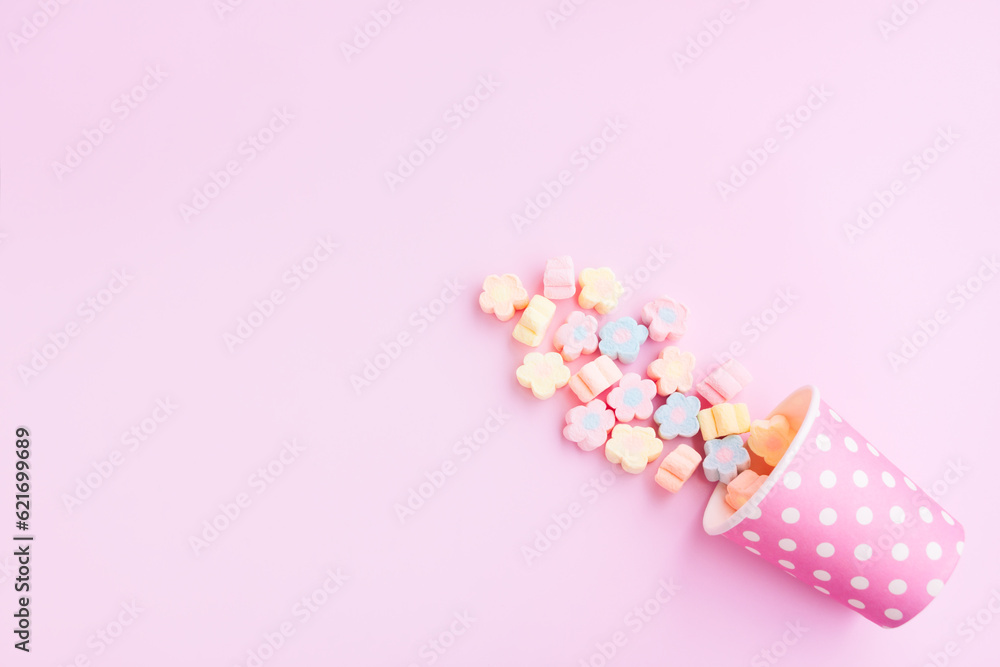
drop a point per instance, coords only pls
(837, 515)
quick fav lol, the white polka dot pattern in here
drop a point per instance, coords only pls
(897, 514)
(845, 520)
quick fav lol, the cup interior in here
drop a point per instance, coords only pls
(800, 408)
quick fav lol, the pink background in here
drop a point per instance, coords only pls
(63, 235)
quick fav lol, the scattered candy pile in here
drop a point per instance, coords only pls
(722, 425)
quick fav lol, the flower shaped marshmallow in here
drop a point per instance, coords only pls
(632, 398)
(599, 289)
(542, 373)
(633, 447)
(678, 416)
(502, 295)
(665, 318)
(577, 336)
(769, 438)
(621, 338)
(672, 371)
(588, 425)
(725, 458)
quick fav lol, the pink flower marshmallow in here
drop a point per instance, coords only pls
(632, 398)
(672, 371)
(588, 425)
(665, 318)
(502, 295)
(577, 336)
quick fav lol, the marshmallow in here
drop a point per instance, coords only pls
(724, 419)
(599, 289)
(559, 280)
(678, 416)
(542, 373)
(665, 318)
(577, 336)
(588, 425)
(672, 371)
(633, 447)
(502, 295)
(621, 338)
(725, 458)
(632, 398)
(594, 378)
(535, 319)
(677, 467)
(724, 382)
(769, 438)
(742, 488)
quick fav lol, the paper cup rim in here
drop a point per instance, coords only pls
(714, 527)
